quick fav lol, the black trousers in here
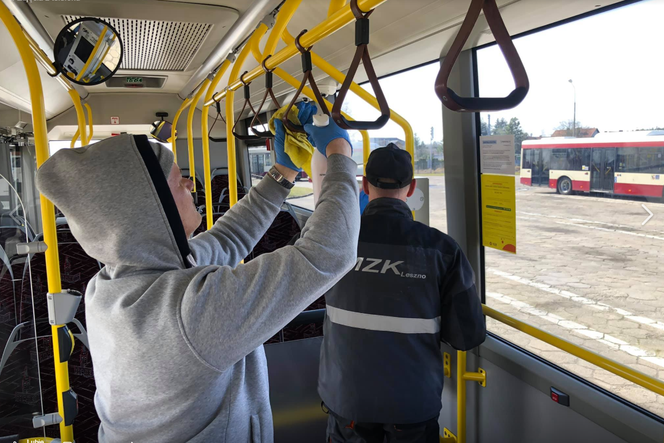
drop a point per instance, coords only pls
(341, 430)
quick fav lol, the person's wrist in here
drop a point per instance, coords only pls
(339, 146)
(288, 173)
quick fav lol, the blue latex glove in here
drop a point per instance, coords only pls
(321, 136)
(279, 140)
(305, 114)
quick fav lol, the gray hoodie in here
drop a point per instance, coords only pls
(176, 347)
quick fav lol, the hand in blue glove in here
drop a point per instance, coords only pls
(305, 113)
(279, 151)
(321, 136)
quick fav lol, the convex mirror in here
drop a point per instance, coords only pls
(88, 51)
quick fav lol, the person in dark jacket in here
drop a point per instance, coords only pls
(381, 368)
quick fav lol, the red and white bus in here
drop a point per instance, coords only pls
(615, 163)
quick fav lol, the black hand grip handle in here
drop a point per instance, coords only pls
(268, 92)
(361, 54)
(247, 102)
(478, 104)
(308, 76)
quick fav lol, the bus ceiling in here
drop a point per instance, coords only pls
(426, 30)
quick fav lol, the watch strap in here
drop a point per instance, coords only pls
(279, 178)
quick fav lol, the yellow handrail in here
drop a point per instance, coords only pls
(46, 62)
(207, 184)
(184, 104)
(327, 27)
(190, 130)
(74, 138)
(335, 5)
(283, 18)
(366, 142)
(641, 379)
(338, 76)
(80, 116)
(90, 123)
(230, 117)
(47, 209)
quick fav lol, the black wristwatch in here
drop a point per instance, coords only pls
(279, 178)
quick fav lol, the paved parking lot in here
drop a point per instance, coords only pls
(586, 270)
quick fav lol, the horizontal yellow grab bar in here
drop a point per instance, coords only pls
(641, 379)
(327, 27)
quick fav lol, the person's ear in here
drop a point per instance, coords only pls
(412, 187)
(365, 185)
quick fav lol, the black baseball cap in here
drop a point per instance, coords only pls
(392, 163)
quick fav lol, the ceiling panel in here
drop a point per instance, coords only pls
(156, 45)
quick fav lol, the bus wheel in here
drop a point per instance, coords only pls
(565, 186)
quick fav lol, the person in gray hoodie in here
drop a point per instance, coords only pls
(176, 326)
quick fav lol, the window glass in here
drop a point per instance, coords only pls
(585, 268)
(650, 159)
(559, 159)
(261, 160)
(627, 159)
(527, 158)
(575, 158)
(422, 109)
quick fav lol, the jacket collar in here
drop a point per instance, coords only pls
(388, 206)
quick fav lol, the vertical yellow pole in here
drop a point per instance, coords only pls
(47, 210)
(230, 148)
(90, 123)
(461, 397)
(74, 138)
(80, 115)
(207, 184)
(366, 149)
(174, 127)
(230, 117)
(190, 129)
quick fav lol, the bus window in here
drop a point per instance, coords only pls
(627, 160)
(559, 159)
(650, 160)
(527, 158)
(584, 267)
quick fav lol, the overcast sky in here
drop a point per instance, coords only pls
(614, 59)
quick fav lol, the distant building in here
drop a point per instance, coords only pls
(580, 132)
(379, 142)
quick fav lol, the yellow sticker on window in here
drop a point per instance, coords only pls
(499, 212)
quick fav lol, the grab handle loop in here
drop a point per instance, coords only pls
(307, 68)
(361, 54)
(247, 101)
(268, 92)
(476, 104)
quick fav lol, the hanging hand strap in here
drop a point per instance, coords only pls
(361, 54)
(307, 68)
(268, 92)
(247, 101)
(475, 104)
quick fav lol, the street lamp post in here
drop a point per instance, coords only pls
(573, 121)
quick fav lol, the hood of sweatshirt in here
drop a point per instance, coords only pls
(117, 202)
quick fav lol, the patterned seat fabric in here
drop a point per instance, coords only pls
(20, 380)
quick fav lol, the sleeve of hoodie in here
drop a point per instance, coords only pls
(226, 313)
(235, 234)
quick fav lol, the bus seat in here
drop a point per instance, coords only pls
(76, 269)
